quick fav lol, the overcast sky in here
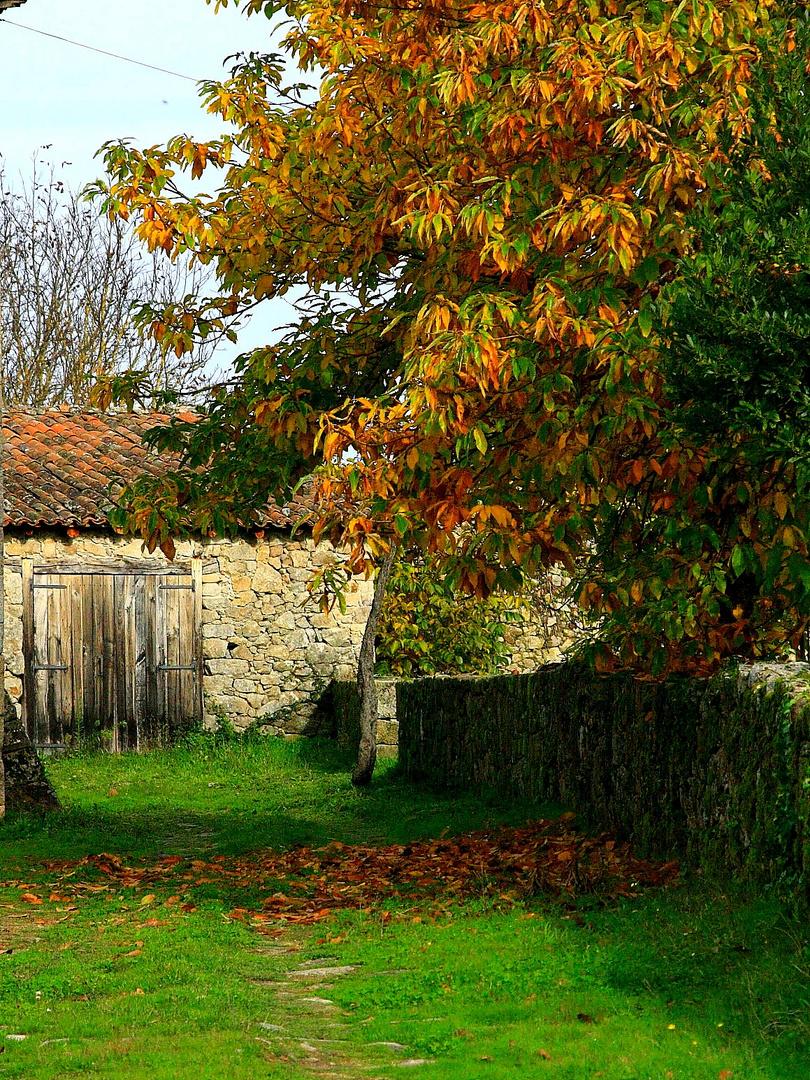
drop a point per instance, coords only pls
(52, 92)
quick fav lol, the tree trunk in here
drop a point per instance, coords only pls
(367, 752)
(27, 785)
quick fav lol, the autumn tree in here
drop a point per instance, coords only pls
(480, 203)
(70, 283)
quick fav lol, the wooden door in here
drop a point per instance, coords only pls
(113, 654)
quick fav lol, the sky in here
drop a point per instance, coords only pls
(56, 94)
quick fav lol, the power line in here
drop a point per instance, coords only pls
(104, 52)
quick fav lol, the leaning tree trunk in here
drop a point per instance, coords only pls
(367, 752)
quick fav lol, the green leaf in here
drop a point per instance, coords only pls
(738, 559)
(645, 322)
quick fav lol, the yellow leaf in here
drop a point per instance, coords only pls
(263, 286)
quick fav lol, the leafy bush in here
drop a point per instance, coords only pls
(428, 628)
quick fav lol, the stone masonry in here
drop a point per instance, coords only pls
(387, 723)
(551, 625)
(269, 652)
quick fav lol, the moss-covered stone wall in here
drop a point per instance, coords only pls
(715, 772)
(345, 710)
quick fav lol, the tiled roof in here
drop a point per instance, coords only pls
(60, 463)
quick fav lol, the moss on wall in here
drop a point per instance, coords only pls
(715, 772)
(345, 706)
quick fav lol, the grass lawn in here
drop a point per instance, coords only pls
(168, 959)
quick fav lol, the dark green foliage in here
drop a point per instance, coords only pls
(739, 326)
(707, 771)
(713, 561)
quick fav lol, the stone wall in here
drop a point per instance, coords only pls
(387, 723)
(714, 771)
(550, 625)
(269, 652)
(344, 710)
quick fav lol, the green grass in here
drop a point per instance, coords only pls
(155, 980)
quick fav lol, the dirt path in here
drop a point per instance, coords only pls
(312, 1035)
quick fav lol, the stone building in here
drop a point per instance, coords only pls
(109, 644)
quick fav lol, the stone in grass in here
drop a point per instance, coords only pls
(413, 1061)
(400, 1049)
(323, 972)
(27, 786)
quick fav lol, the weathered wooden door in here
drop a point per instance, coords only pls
(113, 653)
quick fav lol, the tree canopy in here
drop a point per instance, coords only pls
(480, 202)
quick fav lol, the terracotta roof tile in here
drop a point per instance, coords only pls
(60, 465)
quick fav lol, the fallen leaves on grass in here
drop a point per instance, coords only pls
(305, 885)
